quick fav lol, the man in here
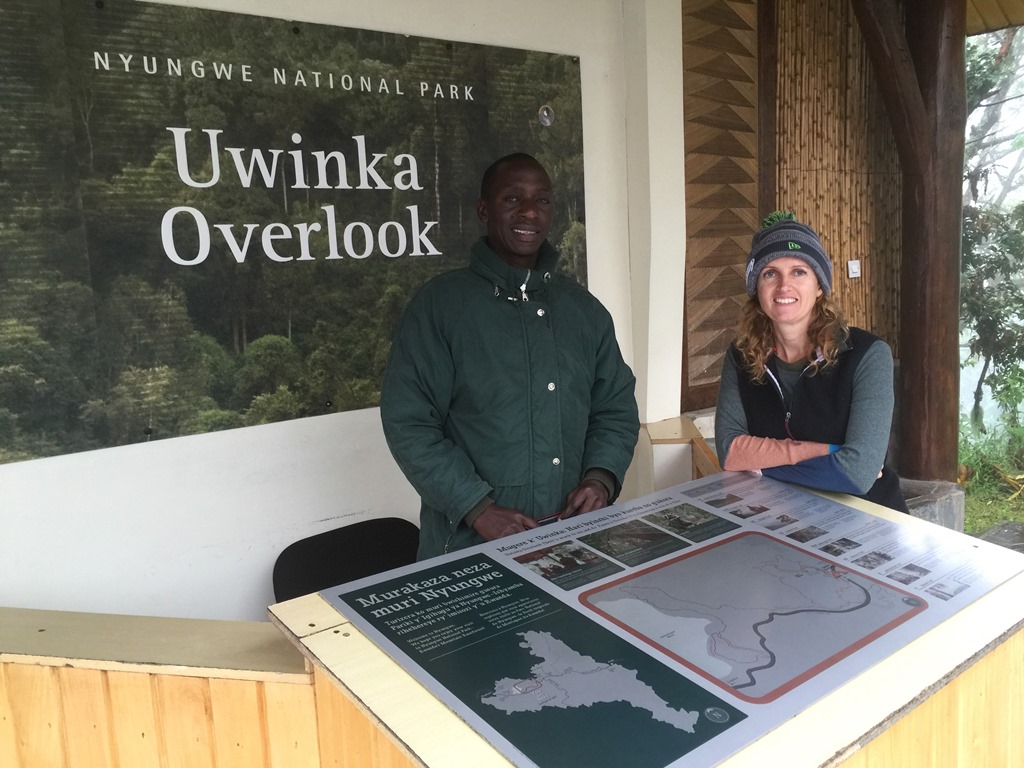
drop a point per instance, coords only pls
(506, 399)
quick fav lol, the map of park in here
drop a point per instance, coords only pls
(564, 678)
(753, 613)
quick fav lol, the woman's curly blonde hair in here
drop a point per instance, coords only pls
(755, 338)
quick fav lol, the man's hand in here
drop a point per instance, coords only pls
(585, 497)
(495, 522)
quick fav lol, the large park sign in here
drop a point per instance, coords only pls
(213, 220)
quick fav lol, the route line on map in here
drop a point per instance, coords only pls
(771, 617)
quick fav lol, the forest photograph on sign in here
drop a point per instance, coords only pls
(212, 220)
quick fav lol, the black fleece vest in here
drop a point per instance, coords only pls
(818, 408)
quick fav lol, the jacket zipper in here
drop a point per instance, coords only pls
(522, 290)
(788, 407)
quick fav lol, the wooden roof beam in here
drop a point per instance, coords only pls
(882, 27)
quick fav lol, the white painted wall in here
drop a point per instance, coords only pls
(191, 526)
(656, 204)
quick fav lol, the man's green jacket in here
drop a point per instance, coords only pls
(504, 383)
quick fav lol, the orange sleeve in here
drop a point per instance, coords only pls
(748, 452)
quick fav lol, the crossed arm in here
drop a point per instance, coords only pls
(851, 467)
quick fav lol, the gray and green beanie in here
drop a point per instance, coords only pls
(782, 235)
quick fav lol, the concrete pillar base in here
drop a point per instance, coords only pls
(937, 501)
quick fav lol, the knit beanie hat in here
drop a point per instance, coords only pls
(782, 235)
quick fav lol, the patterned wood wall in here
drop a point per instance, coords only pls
(835, 165)
(720, 113)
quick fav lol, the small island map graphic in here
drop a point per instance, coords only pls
(566, 679)
(753, 614)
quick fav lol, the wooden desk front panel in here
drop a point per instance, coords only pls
(350, 736)
(69, 717)
(975, 720)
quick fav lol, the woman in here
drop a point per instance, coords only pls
(804, 398)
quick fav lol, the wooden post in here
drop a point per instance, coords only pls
(930, 281)
(920, 70)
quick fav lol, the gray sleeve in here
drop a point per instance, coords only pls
(730, 418)
(867, 432)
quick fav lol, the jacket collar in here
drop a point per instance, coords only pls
(774, 360)
(509, 282)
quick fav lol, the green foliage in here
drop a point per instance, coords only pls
(213, 420)
(37, 384)
(983, 453)
(573, 250)
(991, 299)
(987, 458)
(1008, 390)
(8, 456)
(279, 405)
(144, 404)
(992, 264)
(142, 326)
(992, 162)
(207, 369)
(269, 363)
(981, 514)
(983, 68)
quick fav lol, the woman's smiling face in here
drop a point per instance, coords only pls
(787, 290)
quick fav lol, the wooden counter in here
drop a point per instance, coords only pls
(97, 691)
(82, 690)
(953, 697)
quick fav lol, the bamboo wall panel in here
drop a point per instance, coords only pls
(837, 163)
(720, 119)
(71, 717)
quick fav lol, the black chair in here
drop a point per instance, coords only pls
(344, 554)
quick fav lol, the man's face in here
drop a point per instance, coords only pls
(517, 212)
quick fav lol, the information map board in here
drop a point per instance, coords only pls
(670, 630)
